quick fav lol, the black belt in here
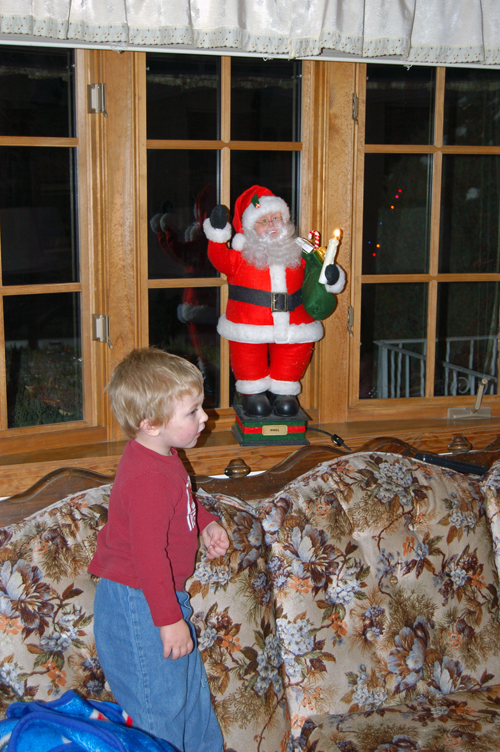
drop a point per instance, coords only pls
(279, 302)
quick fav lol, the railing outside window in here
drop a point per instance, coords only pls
(401, 370)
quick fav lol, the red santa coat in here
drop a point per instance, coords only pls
(247, 322)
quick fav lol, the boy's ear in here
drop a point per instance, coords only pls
(147, 428)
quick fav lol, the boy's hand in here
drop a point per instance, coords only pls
(215, 539)
(176, 640)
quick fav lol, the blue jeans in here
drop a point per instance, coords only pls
(169, 699)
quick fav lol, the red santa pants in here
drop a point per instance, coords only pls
(268, 363)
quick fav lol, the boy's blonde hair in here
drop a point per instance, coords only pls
(146, 384)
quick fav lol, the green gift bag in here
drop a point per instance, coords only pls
(318, 302)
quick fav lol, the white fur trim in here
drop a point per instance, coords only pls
(285, 387)
(277, 272)
(260, 334)
(268, 204)
(198, 314)
(154, 223)
(253, 387)
(281, 319)
(168, 220)
(339, 284)
(215, 234)
(281, 327)
(238, 242)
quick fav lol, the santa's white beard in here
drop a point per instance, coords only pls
(267, 250)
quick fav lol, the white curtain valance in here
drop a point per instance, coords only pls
(443, 32)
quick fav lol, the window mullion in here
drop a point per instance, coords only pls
(432, 293)
(3, 370)
(357, 239)
(225, 198)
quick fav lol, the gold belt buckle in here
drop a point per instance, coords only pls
(274, 300)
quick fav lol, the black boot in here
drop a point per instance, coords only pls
(284, 405)
(256, 405)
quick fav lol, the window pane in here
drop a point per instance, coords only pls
(276, 170)
(265, 100)
(471, 107)
(36, 86)
(181, 194)
(184, 322)
(37, 215)
(43, 359)
(182, 96)
(469, 214)
(399, 104)
(396, 215)
(467, 329)
(393, 341)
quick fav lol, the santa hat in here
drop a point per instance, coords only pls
(253, 204)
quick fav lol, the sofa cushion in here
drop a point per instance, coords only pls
(46, 602)
(460, 722)
(234, 619)
(384, 583)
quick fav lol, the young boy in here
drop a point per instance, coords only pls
(146, 551)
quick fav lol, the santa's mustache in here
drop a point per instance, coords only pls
(277, 248)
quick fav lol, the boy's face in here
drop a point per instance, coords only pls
(182, 430)
(187, 422)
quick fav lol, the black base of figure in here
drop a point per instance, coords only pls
(252, 430)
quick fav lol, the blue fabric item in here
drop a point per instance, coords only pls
(67, 725)
(169, 699)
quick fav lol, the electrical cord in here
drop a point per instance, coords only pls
(334, 437)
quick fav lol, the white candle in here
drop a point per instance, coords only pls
(331, 253)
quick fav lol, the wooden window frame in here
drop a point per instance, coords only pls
(113, 238)
(222, 418)
(408, 408)
(89, 429)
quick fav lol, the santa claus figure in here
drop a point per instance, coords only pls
(270, 321)
(197, 309)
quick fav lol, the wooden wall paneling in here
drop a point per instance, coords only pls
(95, 216)
(121, 206)
(337, 212)
(311, 182)
(358, 170)
(141, 192)
(91, 414)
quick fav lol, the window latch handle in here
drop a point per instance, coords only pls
(100, 329)
(350, 320)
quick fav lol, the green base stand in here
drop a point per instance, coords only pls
(272, 431)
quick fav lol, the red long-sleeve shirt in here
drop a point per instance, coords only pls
(151, 536)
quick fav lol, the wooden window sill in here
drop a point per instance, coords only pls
(216, 449)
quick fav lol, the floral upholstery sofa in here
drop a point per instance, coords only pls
(356, 610)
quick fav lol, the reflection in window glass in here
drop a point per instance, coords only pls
(43, 359)
(393, 341)
(184, 322)
(276, 170)
(469, 214)
(399, 104)
(396, 213)
(36, 87)
(472, 107)
(265, 99)
(182, 96)
(181, 195)
(467, 330)
(37, 215)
